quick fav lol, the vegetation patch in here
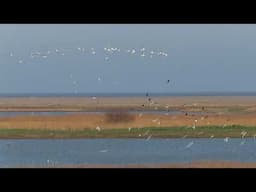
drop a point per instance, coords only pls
(235, 131)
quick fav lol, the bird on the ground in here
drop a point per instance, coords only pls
(155, 120)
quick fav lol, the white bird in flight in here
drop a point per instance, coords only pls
(149, 137)
(98, 128)
(226, 139)
(243, 133)
(242, 142)
(190, 144)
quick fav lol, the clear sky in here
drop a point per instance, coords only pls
(200, 57)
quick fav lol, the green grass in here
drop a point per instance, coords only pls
(155, 132)
(236, 109)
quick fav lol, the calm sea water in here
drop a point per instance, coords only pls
(19, 113)
(15, 153)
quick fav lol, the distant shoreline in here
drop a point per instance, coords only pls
(194, 164)
(184, 103)
(141, 94)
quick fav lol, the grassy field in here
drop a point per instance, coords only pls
(233, 131)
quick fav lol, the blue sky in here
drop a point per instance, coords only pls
(219, 57)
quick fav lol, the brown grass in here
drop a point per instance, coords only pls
(91, 121)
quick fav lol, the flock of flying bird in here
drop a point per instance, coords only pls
(109, 51)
